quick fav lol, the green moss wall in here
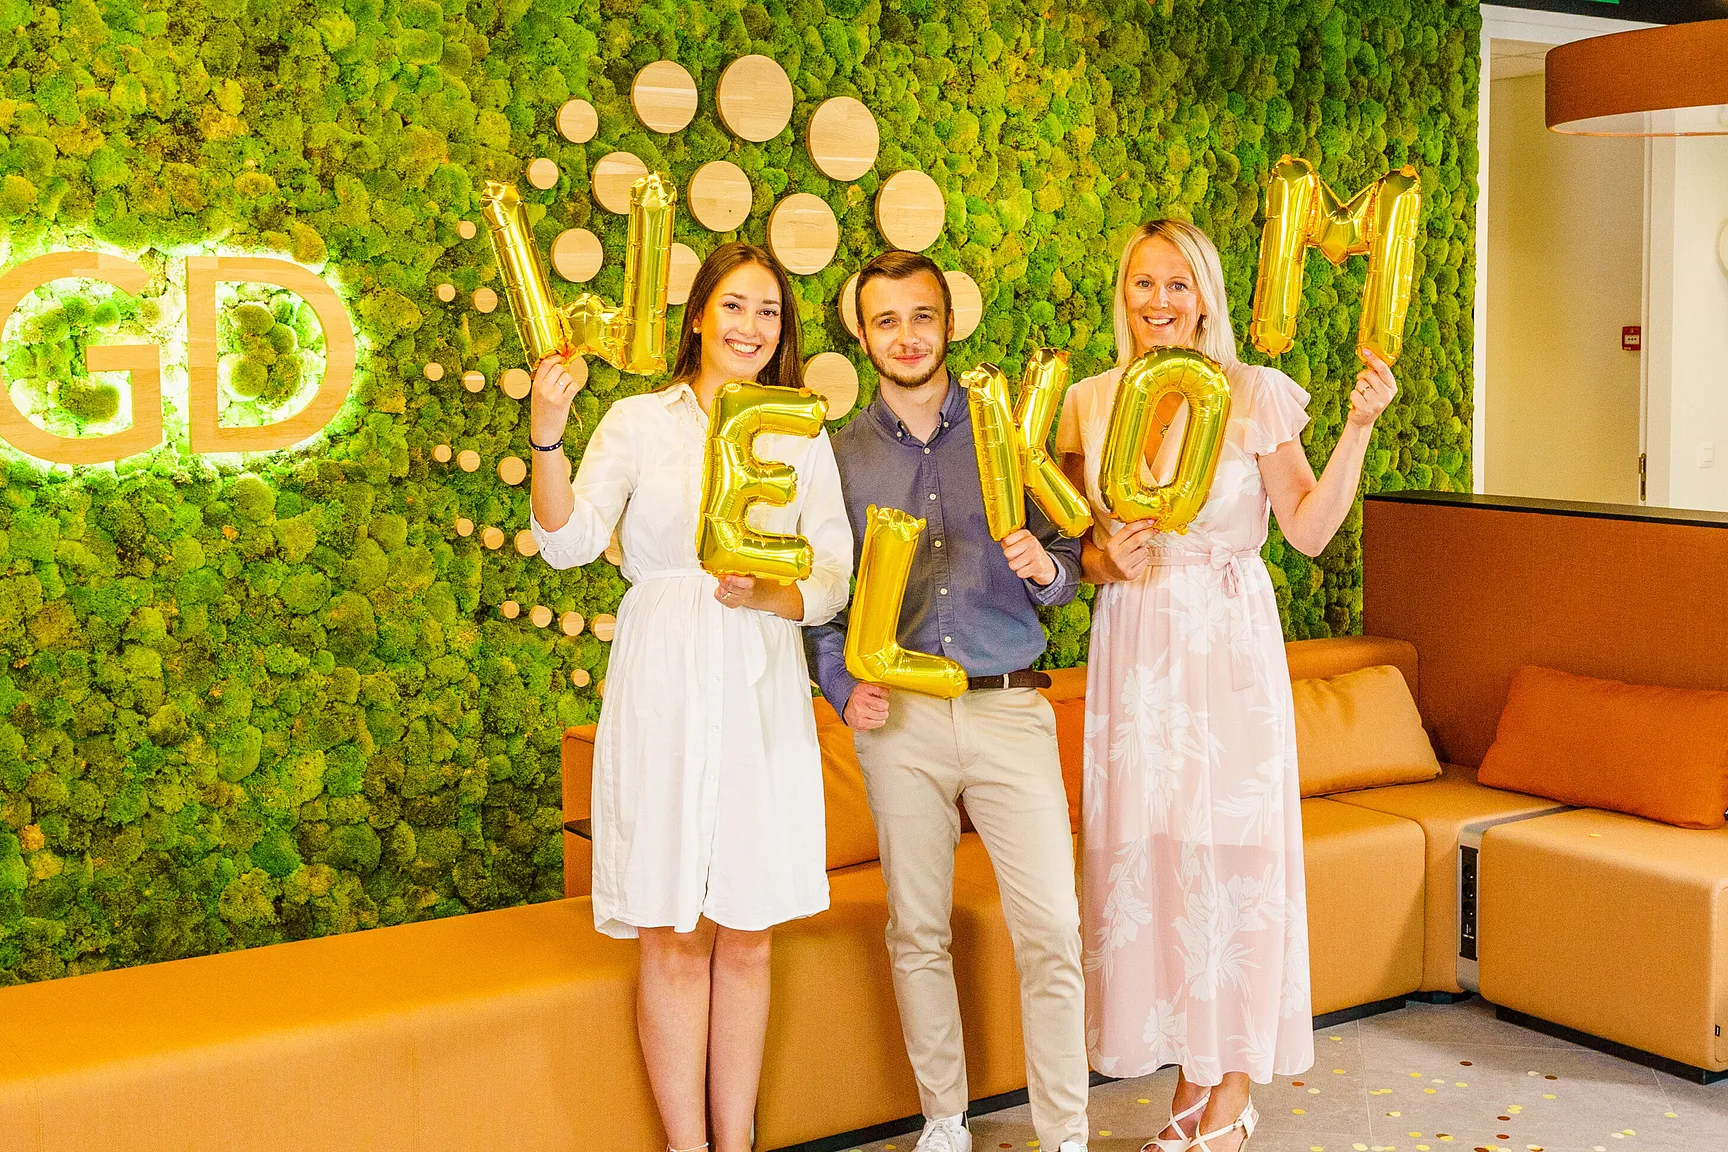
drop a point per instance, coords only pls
(249, 700)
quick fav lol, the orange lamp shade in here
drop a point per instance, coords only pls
(1668, 81)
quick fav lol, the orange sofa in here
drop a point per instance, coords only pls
(1605, 928)
(516, 1028)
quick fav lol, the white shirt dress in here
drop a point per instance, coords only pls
(707, 796)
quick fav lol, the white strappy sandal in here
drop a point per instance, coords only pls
(1247, 1121)
(1182, 1142)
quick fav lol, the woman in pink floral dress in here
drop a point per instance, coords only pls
(1193, 910)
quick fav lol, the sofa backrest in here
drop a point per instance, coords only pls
(1484, 585)
(851, 831)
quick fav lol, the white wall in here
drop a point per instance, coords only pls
(1687, 323)
(1565, 273)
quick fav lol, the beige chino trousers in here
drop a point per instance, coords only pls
(997, 749)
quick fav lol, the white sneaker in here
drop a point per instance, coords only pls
(946, 1135)
(1072, 1146)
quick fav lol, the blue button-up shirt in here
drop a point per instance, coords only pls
(962, 599)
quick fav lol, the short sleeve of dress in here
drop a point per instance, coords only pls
(1279, 411)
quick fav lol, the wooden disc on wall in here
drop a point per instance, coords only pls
(577, 121)
(577, 255)
(526, 545)
(720, 196)
(685, 262)
(516, 383)
(614, 554)
(848, 304)
(580, 677)
(466, 229)
(910, 210)
(843, 138)
(512, 470)
(542, 173)
(474, 381)
(510, 609)
(541, 616)
(468, 460)
(614, 173)
(803, 233)
(604, 626)
(464, 527)
(831, 376)
(492, 537)
(441, 453)
(485, 300)
(664, 96)
(434, 371)
(571, 623)
(446, 292)
(755, 98)
(968, 303)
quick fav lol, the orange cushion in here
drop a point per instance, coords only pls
(851, 830)
(1661, 753)
(1359, 730)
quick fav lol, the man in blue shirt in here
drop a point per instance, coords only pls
(975, 601)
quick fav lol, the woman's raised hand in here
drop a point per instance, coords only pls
(1126, 554)
(1375, 387)
(554, 390)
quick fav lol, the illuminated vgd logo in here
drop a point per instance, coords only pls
(144, 361)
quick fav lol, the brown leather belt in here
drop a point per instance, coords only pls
(1025, 678)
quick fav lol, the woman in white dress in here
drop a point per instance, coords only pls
(708, 819)
(1193, 910)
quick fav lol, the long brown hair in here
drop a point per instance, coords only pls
(786, 367)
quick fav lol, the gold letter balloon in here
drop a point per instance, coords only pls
(734, 478)
(1012, 458)
(1203, 384)
(1380, 221)
(873, 651)
(632, 338)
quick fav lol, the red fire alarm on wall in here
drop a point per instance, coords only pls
(1631, 338)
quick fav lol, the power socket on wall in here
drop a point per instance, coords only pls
(1706, 454)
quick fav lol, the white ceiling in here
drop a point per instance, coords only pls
(1509, 58)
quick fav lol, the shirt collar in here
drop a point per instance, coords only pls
(953, 411)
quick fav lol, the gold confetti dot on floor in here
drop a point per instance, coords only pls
(1394, 1113)
(1549, 1096)
(1313, 1091)
(1337, 1071)
(1429, 1091)
(1143, 1101)
(1104, 1132)
(1669, 1115)
(1461, 1084)
(1514, 1108)
(1415, 1075)
(1299, 1111)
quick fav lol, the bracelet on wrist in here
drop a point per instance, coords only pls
(552, 447)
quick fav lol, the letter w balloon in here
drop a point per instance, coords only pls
(1012, 459)
(873, 651)
(1380, 221)
(734, 478)
(631, 338)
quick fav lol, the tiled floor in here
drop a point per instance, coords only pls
(1425, 1079)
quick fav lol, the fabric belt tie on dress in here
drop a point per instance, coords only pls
(1229, 564)
(755, 652)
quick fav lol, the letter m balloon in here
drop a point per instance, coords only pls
(1381, 222)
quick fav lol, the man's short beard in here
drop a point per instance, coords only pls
(888, 371)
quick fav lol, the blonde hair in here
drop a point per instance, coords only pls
(1214, 337)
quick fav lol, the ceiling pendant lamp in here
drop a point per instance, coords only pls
(1667, 81)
